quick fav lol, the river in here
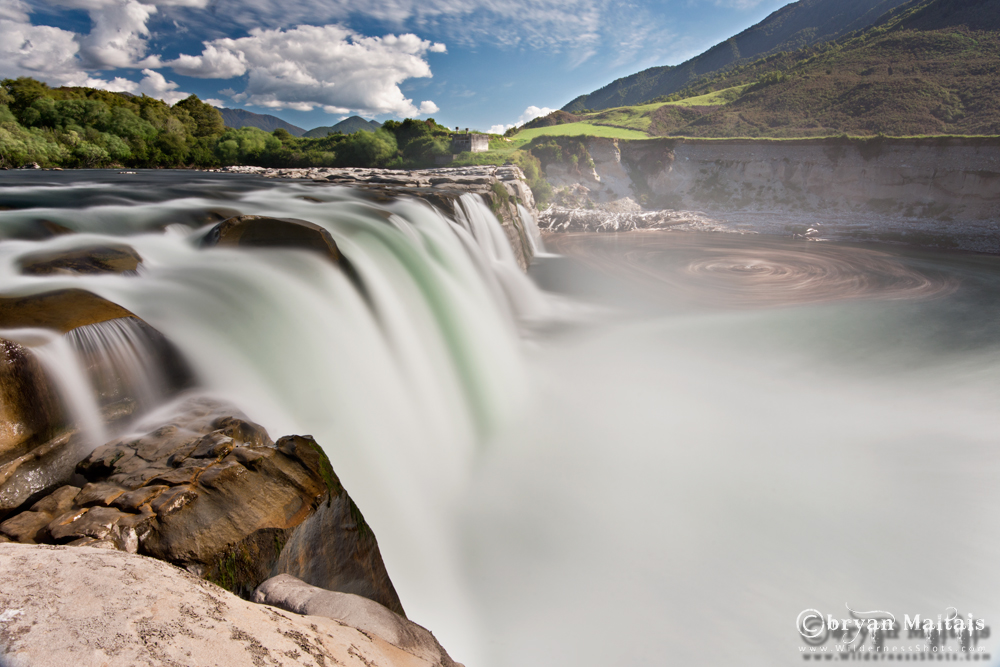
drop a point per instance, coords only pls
(691, 441)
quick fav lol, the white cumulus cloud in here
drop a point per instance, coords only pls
(42, 52)
(533, 112)
(213, 63)
(152, 84)
(119, 35)
(529, 114)
(327, 66)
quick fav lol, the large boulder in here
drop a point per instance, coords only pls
(257, 231)
(103, 608)
(286, 592)
(335, 549)
(29, 408)
(109, 258)
(62, 310)
(203, 487)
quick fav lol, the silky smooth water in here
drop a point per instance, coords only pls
(750, 428)
(662, 457)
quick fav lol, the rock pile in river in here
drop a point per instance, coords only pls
(560, 219)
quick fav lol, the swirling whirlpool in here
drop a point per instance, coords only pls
(751, 271)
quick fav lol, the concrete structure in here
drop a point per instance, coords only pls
(470, 141)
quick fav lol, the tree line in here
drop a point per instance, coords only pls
(89, 128)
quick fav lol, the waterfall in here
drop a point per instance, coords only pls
(475, 216)
(402, 368)
(122, 361)
(531, 227)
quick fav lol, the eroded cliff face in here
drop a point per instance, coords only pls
(945, 181)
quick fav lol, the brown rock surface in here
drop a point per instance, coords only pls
(258, 231)
(112, 258)
(351, 563)
(29, 408)
(61, 606)
(44, 466)
(202, 487)
(61, 310)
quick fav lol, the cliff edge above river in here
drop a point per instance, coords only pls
(936, 191)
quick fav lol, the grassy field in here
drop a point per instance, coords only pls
(640, 117)
(724, 96)
(577, 129)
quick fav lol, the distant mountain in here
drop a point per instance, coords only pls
(803, 23)
(242, 118)
(346, 126)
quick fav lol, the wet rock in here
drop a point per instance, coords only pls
(45, 466)
(257, 231)
(112, 258)
(26, 527)
(29, 408)
(101, 493)
(32, 526)
(203, 487)
(62, 310)
(286, 592)
(36, 230)
(59, 501)
(100, 607)
(335, 549)
(95, 522)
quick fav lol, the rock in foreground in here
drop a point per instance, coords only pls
(201, 486)
(286, 592)
(63, 606)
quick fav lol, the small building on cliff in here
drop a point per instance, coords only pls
(470, 141)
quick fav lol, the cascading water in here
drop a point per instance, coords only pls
(747, 428)
(122, 361)
(398, 369)
(64, 367)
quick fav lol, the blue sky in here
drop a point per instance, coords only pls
(470, 63)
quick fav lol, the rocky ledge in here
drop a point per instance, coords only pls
(203, 487)
(222, 512)
(502, 188)
(61, 606)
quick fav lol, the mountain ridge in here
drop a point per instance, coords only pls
(237, 118)
(799, 24)
(349, 125)
(894, 78)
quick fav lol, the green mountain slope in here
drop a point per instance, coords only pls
(929, 67)
(799, 24)
(895, 78)
(346, 126)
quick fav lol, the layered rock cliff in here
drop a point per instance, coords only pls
(946, 186)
